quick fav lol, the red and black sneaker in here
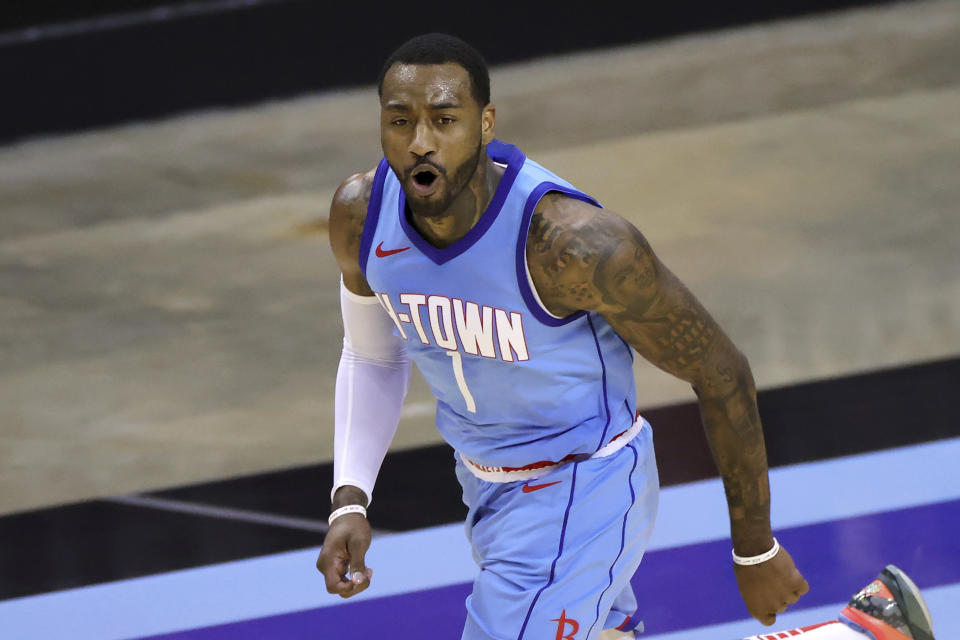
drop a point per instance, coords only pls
(890, 608)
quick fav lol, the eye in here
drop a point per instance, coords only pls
(446, 120)
(399, 122)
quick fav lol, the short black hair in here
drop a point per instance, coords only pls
(438, 48)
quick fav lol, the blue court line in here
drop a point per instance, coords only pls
(407, 562)
(677, 588)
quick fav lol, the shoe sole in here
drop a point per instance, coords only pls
(910, 601)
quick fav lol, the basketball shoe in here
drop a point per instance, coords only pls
(890, 608)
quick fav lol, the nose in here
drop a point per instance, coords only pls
(423, 142)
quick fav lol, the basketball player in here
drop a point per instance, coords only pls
(522, 301)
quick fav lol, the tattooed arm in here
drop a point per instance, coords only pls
(585, 258)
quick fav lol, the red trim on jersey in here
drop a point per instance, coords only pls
(543, 464)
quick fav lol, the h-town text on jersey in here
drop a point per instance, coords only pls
(482, 330)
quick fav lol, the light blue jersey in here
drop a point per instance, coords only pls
(515, 385)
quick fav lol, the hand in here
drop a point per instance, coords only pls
(341, 559)
(770, 587)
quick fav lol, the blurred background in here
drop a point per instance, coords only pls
(169, 318)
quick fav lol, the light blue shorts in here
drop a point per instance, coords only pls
(556, 561)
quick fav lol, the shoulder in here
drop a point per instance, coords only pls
(350, 201)
(561, 223)
(576, 249)
(348, 212)
(557, 210)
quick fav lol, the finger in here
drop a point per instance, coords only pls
(359, 574)
(333, 572)
(357, 548)
(349, 588)
(359, 580)
(358, 577)
(356, 583)
(767, 619)
(336, 583)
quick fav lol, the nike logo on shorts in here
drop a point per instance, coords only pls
(383, 253)
(530, 488)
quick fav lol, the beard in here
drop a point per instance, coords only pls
(436, 205)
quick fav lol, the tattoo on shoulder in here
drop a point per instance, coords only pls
(350, 202)
(597, 261)
(584, 258)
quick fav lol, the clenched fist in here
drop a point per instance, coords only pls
(341, 559)
(770, 587)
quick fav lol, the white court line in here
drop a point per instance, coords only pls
(114, 21)
(226, 513)
(287, 582)
(222, 513)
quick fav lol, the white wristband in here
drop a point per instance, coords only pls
(350, 508)
(752, 560)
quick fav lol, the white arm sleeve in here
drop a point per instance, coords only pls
(372, 381)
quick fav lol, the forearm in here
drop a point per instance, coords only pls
(369, 398)
(372, 381)
(735, 435)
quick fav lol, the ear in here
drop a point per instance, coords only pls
(488, 120)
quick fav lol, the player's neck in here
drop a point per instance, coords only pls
(465, 210)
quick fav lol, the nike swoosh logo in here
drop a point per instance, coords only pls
(383, 253)
(530, 488)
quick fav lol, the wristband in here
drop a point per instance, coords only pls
(350, 508)
(752, 560)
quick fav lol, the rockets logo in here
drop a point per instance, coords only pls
(481, 330)
(563, 633)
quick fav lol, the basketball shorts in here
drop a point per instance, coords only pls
(556, 554)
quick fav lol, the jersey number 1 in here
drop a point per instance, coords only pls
(461, 381)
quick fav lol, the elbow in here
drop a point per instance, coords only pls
(725, 376)
(741, 365)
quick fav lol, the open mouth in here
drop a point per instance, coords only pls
(425, 179)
